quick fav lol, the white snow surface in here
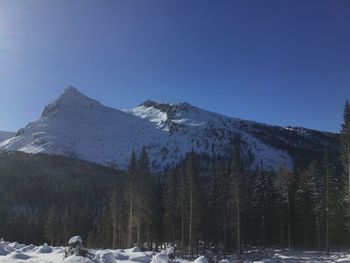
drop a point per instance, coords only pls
(34, 254)
(75, 125)
(5, 135)
(201, 259)
(160, 258)
(75, 239)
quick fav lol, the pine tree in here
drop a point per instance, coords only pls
(315, 185)
(329, 196)
(131, 173)
(68, 223)
(91, 240)
(116, 211)
(52, 226)
(345, 154)
(307, 202)
(144, 194)
(236, 175)
(214, 208)
(262, 196)
(224, 200)
(182, 212)
(281, 189)
(171, 203)
(84, 222)
(157, 214)
(194, 201)
(104, 228)
(345, 141)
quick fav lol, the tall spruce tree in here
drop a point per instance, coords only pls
(195, 199)
(131, 184)
(52, 226)
(262, 196)
(172, 204)
(145, 192)
(157, 214)
(329, 197)
(345, 142)
(224, 201)
(116, 213)
(345, 154)
(282, 192)
(236, 175)
(307, 198)
(104, 228)
(182, 194)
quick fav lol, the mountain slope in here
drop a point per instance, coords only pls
(267, 143)
(78, 126)
(5, 135)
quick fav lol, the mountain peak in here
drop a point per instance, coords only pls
(72, 94)
(70, 98)
(71, 90)
(79, 126)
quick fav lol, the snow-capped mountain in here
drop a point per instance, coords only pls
(5, 135)
(78, 126)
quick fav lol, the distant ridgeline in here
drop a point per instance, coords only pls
(75, 125)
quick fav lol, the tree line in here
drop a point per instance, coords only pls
(202, 204)
(224, 206)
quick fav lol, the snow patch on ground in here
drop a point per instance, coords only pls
(160, 258)
(201, 259)
(18, 253)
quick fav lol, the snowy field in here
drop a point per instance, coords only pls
(14, 252)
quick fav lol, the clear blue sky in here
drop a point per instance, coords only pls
(279, 62)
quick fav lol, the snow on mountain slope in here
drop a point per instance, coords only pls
(185, 118)
(75, 125)
(78, 126)
(208, 132)
(4, 135)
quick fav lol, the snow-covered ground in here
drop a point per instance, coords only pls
(291, 255)
(15, 253)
